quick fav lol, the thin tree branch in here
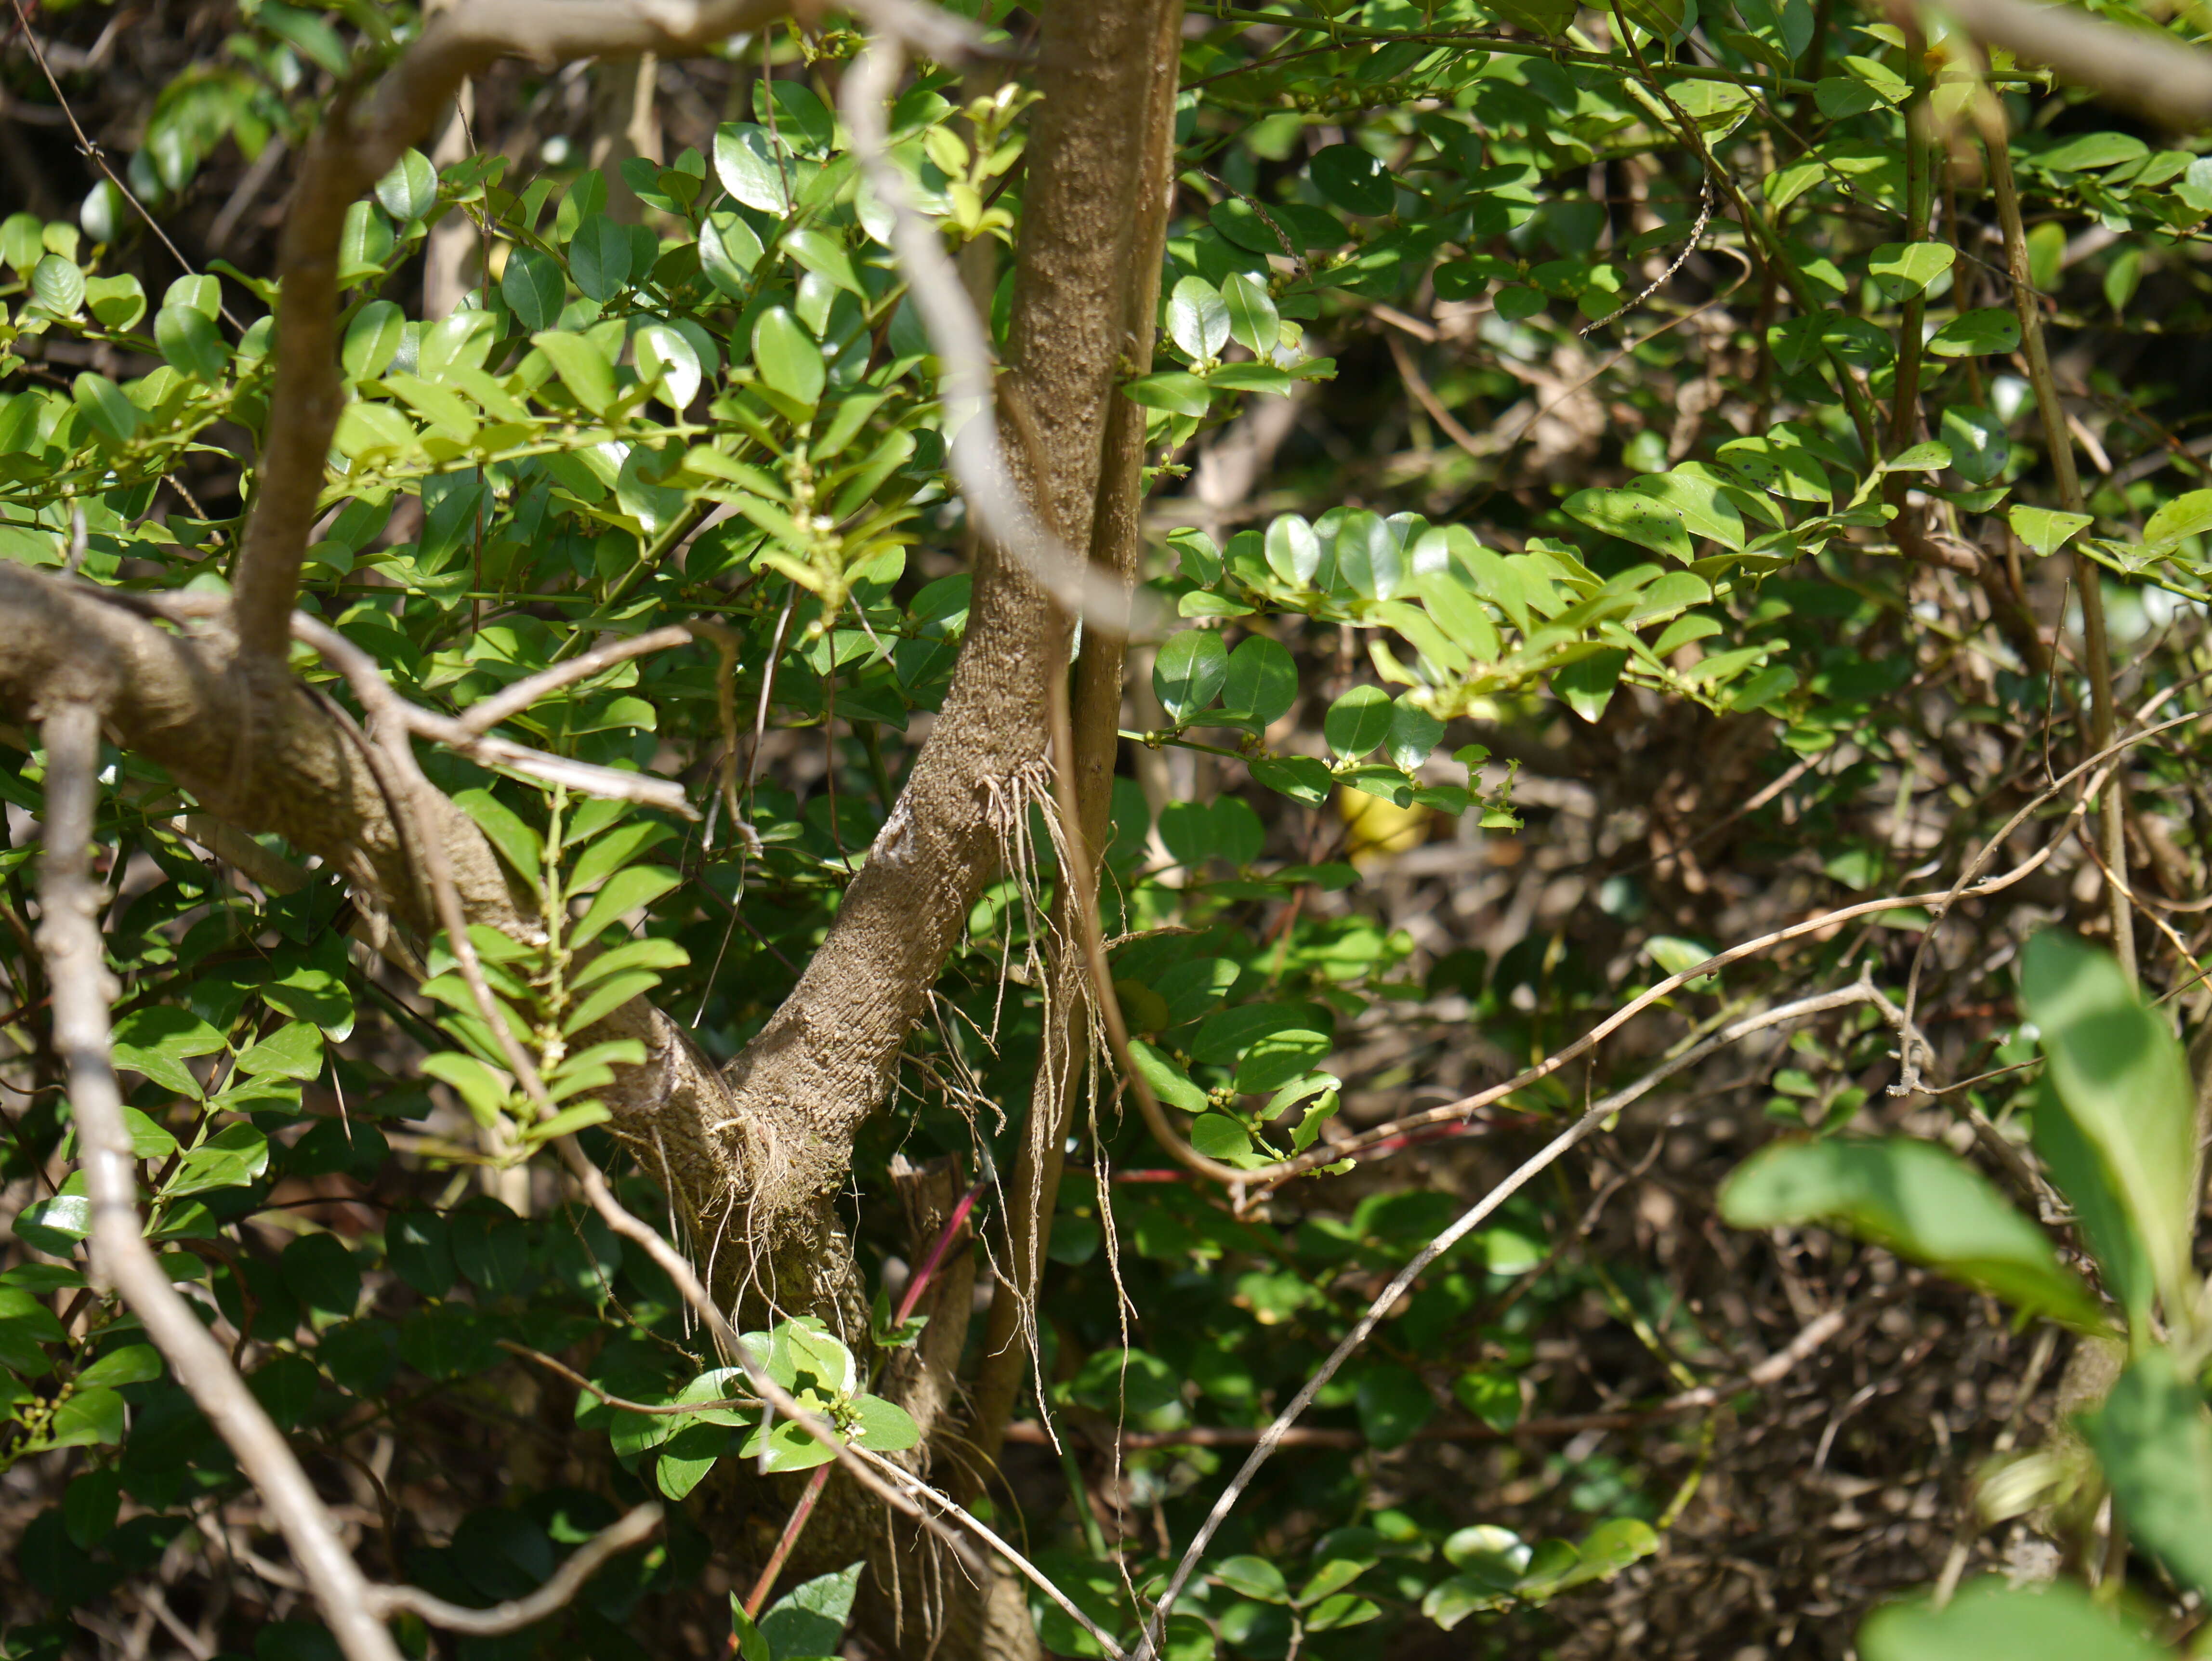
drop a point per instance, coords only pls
(632, 1528)
(2159, 76)
(68, 935)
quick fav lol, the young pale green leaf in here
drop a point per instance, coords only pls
(1189, 673)
(610, 852)
(751, 169)
(666, 358)
(883, 1426)
(2045, 530)
(1253, 1577)
(2120, 1073)
(1990, 1621)
(1169, 1081)
(232, 1158)
(2188, 514)
(1919, 1201)
(482, 1091)
(1929, 457)
(294, 1051)
(57, 286)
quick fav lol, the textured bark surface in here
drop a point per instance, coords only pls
(755, 1155)
(1117, 542)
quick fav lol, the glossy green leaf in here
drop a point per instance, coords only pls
(1977, 334)
(583, 367)
(786, 357)
(1358, 721)
(2117, 1069)
(1189, 673)
(1989, 1620)
(410, 190)
(1919, 1201)
(2045, 530)
(533, 287)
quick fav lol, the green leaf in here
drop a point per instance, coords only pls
(1929, 457)
(1903, 270)
(90, 1418)
(56, 1223)
(666, 358)
(1976, 438)
(1367, 555)
(746, 161)
(810, 1619)
(1977, 334)
(1394, 1403)
(1198, 319)
(729, 249)
(1357, 722)
(1699, 502)
(1989, 1620)
(57, 286)
(583, 367)
(788, 359)
(128, 1363)
(533, 287)
(1253, 1577)
(1169, 1081)
(410, 190)
(1586, 685)
(2090, 151)
(687, 1457)
(1919, 1201)
(2045, 530)
(292, 1051)
(486, 1095)
(883, 1426)
(1634, 517)
(1254, 322)
(1293, 551)
(2099, 1211)
(1172, 390)
(103, 403)
(373, 339)
(2188, 514)
(1354, 179)
(233, 1156)
(517, 844)
(308, 33)
(1261, 679)
(2154, 1440)
(598, 257)
(627, 890)
(1189, 673)
(2120, 1073)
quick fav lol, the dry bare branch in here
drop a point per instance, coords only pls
(68, 937)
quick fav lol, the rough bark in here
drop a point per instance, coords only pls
(825, 1062)
(1094, 716)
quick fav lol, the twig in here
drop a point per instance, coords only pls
(1021, 1564)
(1943, 899)
(562, 1369)
(2162, 78)
(99, 159)
(1769, 1372)
(628, 1530)
(486, 713)
(69, 936)
(1989, 118)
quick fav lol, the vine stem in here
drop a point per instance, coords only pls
(2088, 577)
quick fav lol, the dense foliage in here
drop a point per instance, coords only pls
(1606, 510)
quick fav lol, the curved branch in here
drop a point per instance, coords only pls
(632, 1528)
(69, 936)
